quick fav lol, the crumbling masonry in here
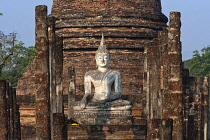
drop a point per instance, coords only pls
(167, 102)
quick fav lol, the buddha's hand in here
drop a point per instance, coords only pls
(103, 101)
(115, 96)
(104, 97)
(82, 104)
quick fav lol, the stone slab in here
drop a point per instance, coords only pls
(135, 131)
(103, 117)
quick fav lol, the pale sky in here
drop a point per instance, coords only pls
(18, 16)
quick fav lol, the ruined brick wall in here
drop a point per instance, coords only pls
(131, 35)
(26, 84)
(9, 113)
(196, 105)
(128, 26)
(89, 8)
(144, 50)
(125, 24)
(26, 100)
(163, 78)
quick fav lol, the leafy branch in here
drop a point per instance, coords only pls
(200, 63)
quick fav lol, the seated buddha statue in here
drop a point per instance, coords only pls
(107, 83)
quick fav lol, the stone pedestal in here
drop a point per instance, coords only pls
(108, 132)
(103, 117)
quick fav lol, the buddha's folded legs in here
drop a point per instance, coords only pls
(114, 105)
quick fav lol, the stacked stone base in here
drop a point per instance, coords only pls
(106, 124)
(101, 117)
(100, 132)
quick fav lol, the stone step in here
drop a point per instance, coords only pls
(107, 132)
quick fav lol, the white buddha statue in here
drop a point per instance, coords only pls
(107, 83)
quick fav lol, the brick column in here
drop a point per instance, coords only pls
(200, 108)
(208, 124)
(205, 109)
(173, 98)
(8, 110)
(162, 129)
(3, 112)
(164, 74)
(72, 91)
(52, 51)
(15, 113)
(152, 81)
(152, 70)
(59, 74)
(188, 82)
(11, 110)
(41, 73)
(16, 117)
(17, 123)
(58, 126)
(52, 69)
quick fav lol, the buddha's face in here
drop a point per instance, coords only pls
(102, 59)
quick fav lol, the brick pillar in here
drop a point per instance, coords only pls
(56, 71)
(208, 125)
(58, 126)
(17, 123)
(42, 75)
(16, 117)
(3, 112)
(188, 82)
(153, 85)
(8, 110)
(152, 70)
(52, 51)
(173, 98)
(190, 91)
(198, 107)
(15, 113)
(205, 107)
(11, 110)
(72, 91)
(162, 129)
(164, 74)
(59, 74)
(201, 108)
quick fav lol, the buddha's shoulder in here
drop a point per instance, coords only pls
(115, 72)
(90, 73)
(96, 72)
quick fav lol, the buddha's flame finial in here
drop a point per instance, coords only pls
(102, 40)
(102, 48)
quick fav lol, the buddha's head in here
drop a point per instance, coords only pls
(102, 55)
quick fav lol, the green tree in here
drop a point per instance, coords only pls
(6, 46)
(200, 63)
(14, 58)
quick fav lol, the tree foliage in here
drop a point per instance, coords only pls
(200, 63)
(14, 58)
(6, 46)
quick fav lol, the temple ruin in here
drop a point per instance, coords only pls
(167, 104)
